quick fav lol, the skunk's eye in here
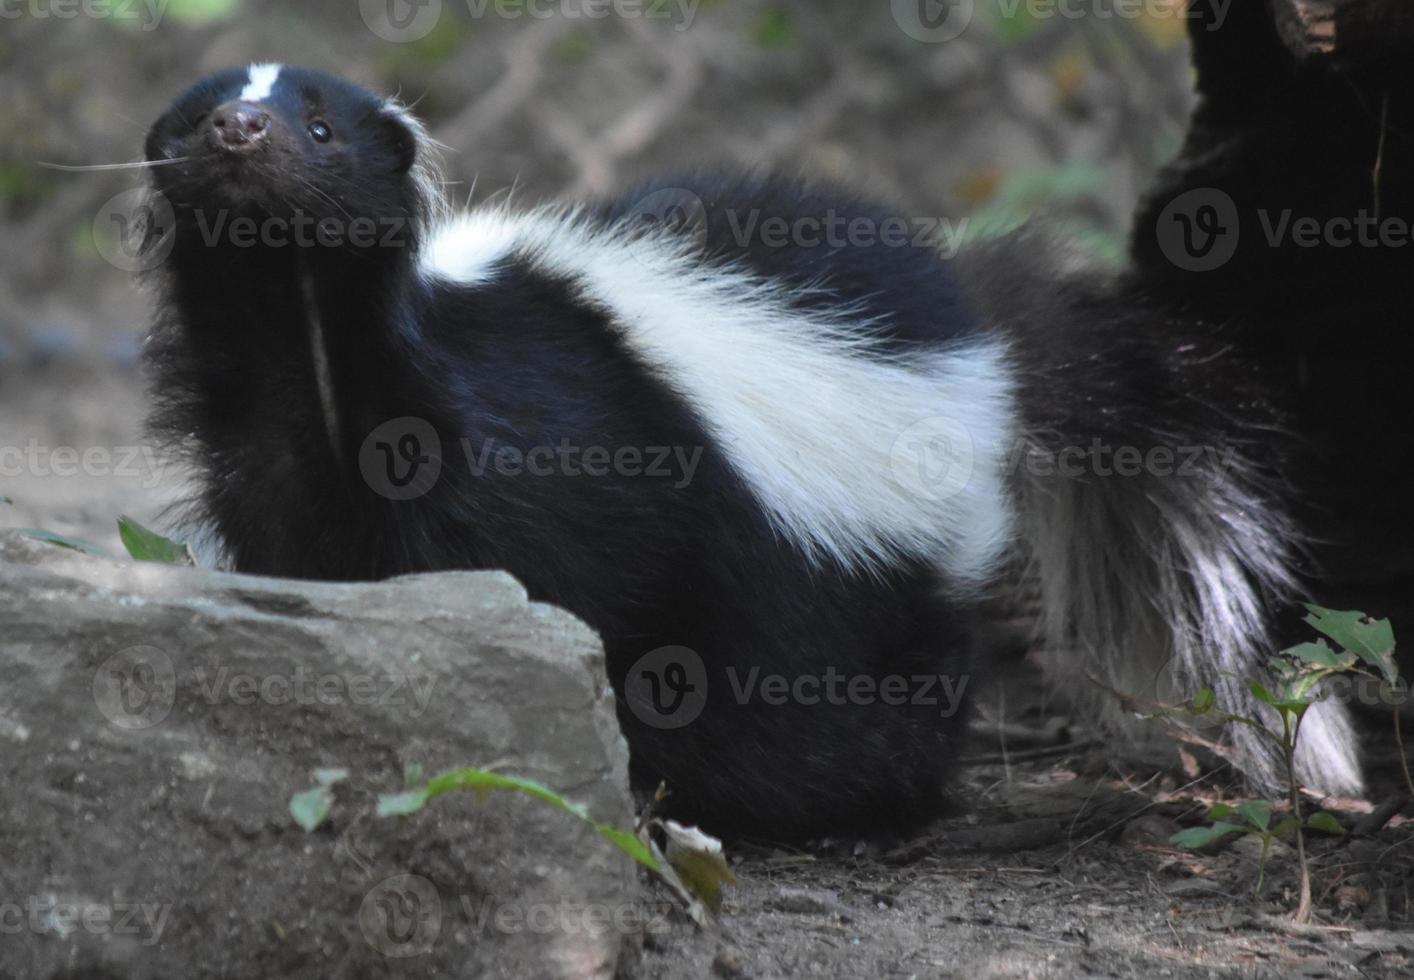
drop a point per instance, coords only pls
(320, 130)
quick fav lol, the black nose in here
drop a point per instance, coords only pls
(238, 126)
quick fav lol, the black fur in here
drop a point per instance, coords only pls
(525, 362)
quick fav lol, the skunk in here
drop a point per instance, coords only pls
(775, 455)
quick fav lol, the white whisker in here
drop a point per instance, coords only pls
(82, 168)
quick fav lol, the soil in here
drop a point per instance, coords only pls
(1052, 874)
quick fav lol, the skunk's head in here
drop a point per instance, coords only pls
(285, 142)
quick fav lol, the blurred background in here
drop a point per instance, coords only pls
(992, 111)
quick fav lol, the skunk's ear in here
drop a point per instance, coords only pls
(402, 134)
(162, 138)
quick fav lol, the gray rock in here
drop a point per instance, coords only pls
(155, 723)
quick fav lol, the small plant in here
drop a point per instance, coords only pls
(73, 544)
(146, 545)
(141, 543)
(1367, 646)
(687, 860)
(49, 537)
(310, 807)
(482, 781)
(1252, 817)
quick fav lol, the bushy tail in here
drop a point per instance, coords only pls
(1151, 517)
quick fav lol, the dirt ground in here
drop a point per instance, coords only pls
(1052, 874)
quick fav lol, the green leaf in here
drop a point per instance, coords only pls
(1325, 823)
(1196, 838)
(1286, 704)
(74, 544)
(1319, 654)
(1227, 827)
(145, 545)
(481, 779)
(628, 842)
(6, 500)
(310, 807)
(1261, 693)
(1299, 678)
(1221, 811)
(328, 777)
(1285, 827)
(1256, 812)
(1296, 698)
(402, 804)
(1372, 640)
(1203, 701)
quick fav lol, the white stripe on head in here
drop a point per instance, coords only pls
(260, 82)
(819, 424)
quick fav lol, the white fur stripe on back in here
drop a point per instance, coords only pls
(260, 82)
(856, 456)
